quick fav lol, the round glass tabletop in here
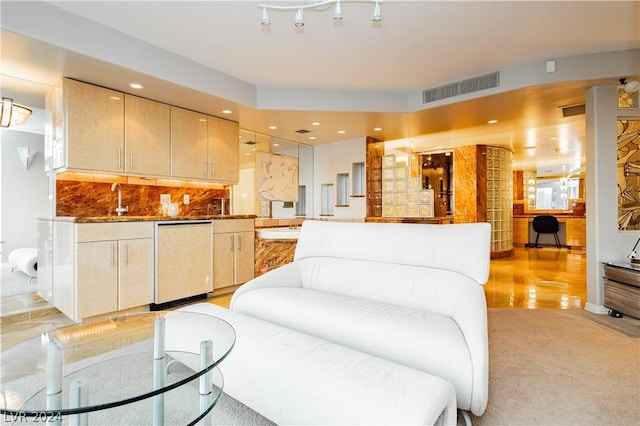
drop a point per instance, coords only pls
(123, 366)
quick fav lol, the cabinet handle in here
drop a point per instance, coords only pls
(239, 242)
(204, 168)
(119, 158)
(232, 243)
(113, 255)
(126, 254)
(131, 160)
(213, 170)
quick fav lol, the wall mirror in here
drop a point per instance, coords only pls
(245, 199)
(553, 193)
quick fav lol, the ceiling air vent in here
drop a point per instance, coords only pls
(470, 85)
(250, 142)
(571, 110)
(303, 131)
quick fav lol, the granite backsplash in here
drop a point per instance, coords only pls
(89, 199)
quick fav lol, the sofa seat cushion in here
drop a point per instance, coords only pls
(422, 340)
(294, 378)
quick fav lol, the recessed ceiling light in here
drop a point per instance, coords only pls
(273, 127)
(312, 138)
(135, 85)
(342, 132)
(226, 111)
(492, 121)
(315, 123)
(377, 129)
(276, 144)
(247, 153)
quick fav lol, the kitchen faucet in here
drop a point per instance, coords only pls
(120, 210)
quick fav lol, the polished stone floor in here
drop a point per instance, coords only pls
(533, 278)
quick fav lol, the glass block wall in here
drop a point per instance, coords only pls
(500, 198)
(402, 194)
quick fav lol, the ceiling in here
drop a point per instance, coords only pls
(418, 45)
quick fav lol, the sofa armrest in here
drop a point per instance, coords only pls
(284, 276)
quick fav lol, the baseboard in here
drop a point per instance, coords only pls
(596, 309)
(176, 303)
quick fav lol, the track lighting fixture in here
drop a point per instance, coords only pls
(316, 5)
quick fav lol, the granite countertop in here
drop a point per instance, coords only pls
(125, 218)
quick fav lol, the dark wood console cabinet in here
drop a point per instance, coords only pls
(622, 288)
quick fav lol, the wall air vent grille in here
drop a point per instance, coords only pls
(470, 85)
(303, 131)
(572, 110)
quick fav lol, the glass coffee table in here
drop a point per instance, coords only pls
(130, 369)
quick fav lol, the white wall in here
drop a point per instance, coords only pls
(24, 194)
(331, 159)
(604, 241)
(244, 193)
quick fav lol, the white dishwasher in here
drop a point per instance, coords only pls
(183, 260)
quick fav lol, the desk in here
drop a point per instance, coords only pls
(572, 231)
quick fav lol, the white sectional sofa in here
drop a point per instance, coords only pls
(407, 295)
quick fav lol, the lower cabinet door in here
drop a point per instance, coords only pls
(97, 278)
(244, 261)
(223, 259)
(135, 263)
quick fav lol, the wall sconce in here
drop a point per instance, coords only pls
(530, 183)
(26, 155)
(12, 114)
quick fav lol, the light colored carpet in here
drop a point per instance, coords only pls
(547, 367)
(558, 367)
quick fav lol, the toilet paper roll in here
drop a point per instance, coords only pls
(26, 260)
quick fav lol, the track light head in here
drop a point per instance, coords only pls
(299, 22)
(265, 17)
(337, 12)
(377, 17)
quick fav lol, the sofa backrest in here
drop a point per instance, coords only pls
(460, 248)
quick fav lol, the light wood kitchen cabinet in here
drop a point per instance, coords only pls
(223, 150)
(189, 144)
(113, 132)
(94, 127)
(576, 229)
(135, 272)
(147, 129)
(233, 252)
(102, 267)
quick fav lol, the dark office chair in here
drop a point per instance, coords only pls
(546, 225)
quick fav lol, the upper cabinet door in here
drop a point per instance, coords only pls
(147, 126)
(188, 144)
(94, 127)
(223, 150)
